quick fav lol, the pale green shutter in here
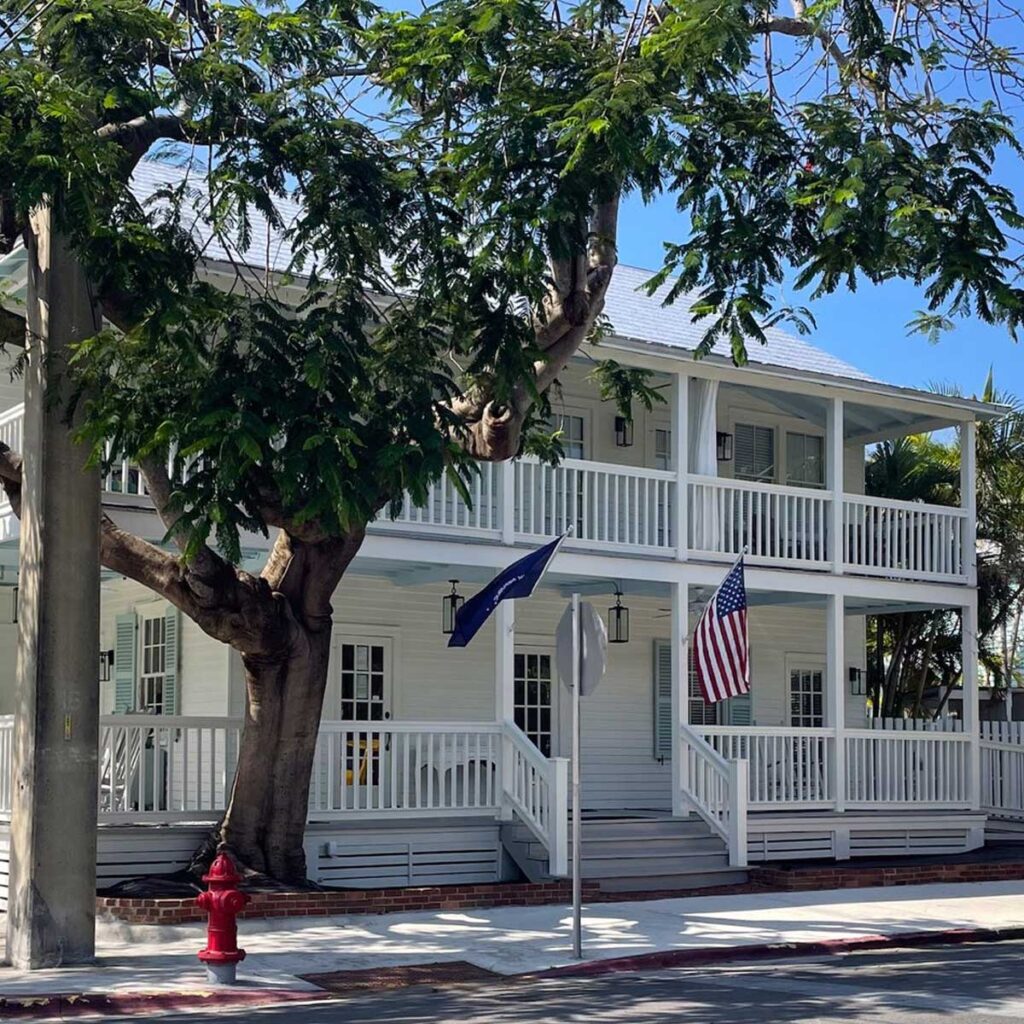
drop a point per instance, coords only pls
(172, 634)
(739, 710)
(663, 730)
(124, 663)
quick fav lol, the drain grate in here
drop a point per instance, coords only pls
(376, 979)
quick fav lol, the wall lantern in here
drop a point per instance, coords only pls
(618, 621)
(623, 432)
(450, 605)
(858, 687)
(106, 665)
(723, 446)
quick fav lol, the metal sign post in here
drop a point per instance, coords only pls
(577, 814)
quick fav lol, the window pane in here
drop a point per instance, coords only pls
(754, 452)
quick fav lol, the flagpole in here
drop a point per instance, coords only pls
(577, 654)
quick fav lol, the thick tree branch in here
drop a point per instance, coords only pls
(137, 135)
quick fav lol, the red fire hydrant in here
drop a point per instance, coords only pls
(222, 901)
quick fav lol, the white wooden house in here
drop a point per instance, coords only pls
(439, 765)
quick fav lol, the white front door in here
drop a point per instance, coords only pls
(364, 679)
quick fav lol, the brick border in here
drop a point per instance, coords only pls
(807, 878)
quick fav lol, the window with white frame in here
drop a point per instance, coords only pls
(152, 664)
(805, 460)
(754, 452)
(806, 697)
(662, 448)
(701, 711)
(571, 429)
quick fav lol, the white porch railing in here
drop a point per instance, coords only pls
(165, 768)
(446, 511)
(369, 769)
(922, 769)
(6, 765)
(621, 507)
(1002, 768)
(788, 768)
(716, 789)
(538, 792)
(907, 539)
(160, 768)
(772, 523)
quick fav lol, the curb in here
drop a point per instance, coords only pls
(779, 950)
(68, 1005)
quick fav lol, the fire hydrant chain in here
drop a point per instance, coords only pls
(222, 901)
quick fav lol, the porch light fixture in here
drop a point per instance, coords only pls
(857, 685)
(450, 605)
(623, 432)
(618, 621)
(723, 446)
(106, 664)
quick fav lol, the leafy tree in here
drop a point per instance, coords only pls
(458, 173)
(912, 652)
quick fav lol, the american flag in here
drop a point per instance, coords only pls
(721, 650)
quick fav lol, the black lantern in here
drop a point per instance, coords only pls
(723, 446)
(623, 432)
(450, 605)
(857, 686)
(106, 664)
(618, 621)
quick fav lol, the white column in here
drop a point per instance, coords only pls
(969, 661)
(504, 687)
(834, 466)
(507, 501)
(968, 498)
(680, 458)
(680, 701)
(835, 647)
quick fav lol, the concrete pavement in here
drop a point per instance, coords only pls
(512, 940)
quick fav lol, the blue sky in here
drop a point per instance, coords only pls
(867, 329)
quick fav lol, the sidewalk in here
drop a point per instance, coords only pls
(512, 940)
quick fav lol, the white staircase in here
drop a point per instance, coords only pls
(635, 854)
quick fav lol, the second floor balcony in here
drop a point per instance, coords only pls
(657, 513)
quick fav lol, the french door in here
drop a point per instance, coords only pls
(364, 692)
(533, 682)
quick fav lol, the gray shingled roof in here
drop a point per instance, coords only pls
(633, 314)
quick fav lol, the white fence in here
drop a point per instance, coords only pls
(447, 511)
(716, 789)
(788, 768)
(924, 769)
(1002, 768)
(903, 538)
(772, 523)
(617, 506)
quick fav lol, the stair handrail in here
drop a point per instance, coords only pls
(537, 790)
(717, 789)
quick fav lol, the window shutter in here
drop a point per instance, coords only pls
(663, 731)
(740, 711)
(172, 634)
(125, 677)
(754, 452)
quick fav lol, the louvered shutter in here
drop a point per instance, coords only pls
(125, 677)
(754, 452)
(663, 730)
(740, 710)
(172, 633)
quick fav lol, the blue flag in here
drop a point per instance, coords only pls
(518, 580)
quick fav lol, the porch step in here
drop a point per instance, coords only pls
(633, 854)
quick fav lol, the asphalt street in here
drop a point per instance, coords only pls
(980, 984)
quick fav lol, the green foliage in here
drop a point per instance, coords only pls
(442, 162)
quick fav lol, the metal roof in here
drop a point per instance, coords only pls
(635, 316)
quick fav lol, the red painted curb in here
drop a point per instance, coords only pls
(776, 950)
(64, 1005)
